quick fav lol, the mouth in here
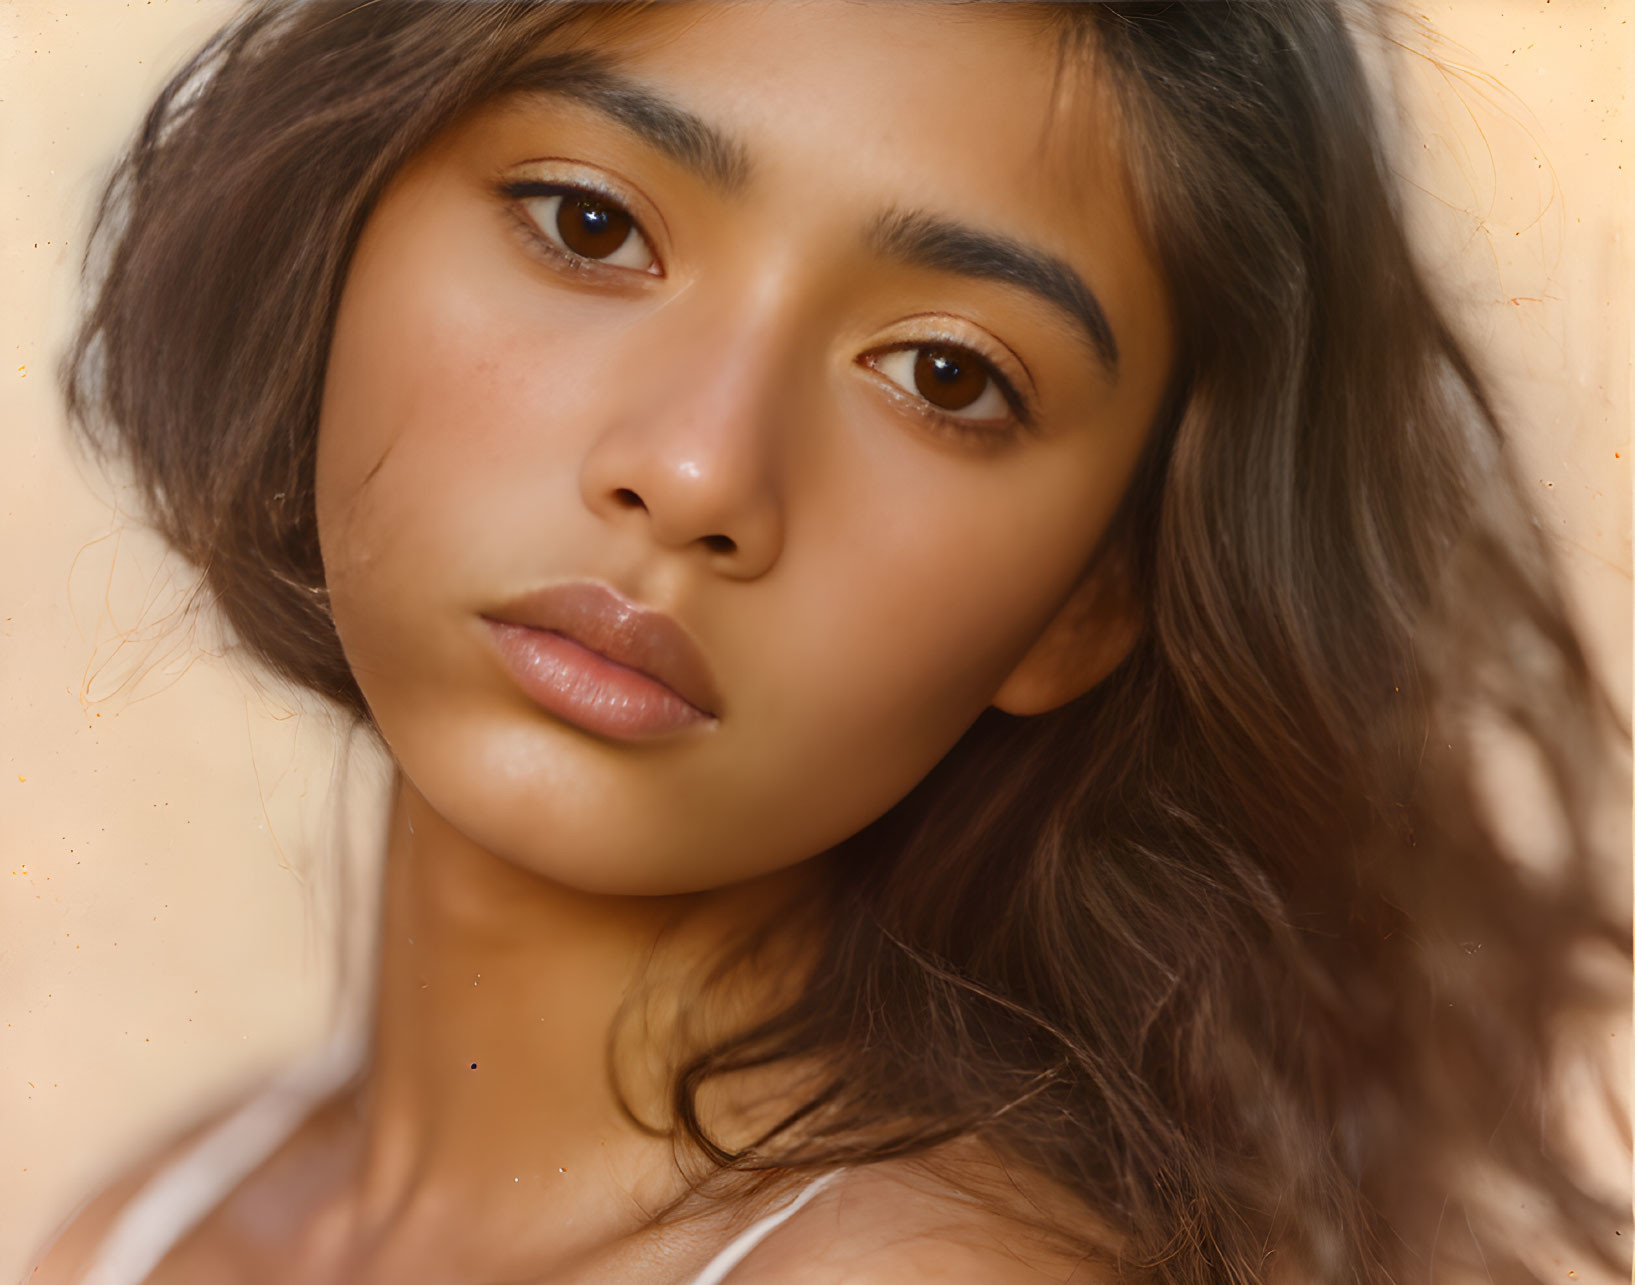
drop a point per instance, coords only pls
(604, 663)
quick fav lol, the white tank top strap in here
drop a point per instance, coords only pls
(181, 1194)
(716, 1270)
(185, 1191)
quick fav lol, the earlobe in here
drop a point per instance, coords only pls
(1085, 641)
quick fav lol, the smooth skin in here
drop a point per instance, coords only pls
(722, 416)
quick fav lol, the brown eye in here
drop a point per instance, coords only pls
(590, 226)
(948, 378)
(584, 226)
(952, 381)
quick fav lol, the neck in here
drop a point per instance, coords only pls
(489, 1085)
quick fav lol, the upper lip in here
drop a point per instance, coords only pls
(637, 637)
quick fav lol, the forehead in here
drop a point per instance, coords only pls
(989, 66)
(920, 90)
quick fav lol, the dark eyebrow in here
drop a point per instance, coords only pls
(689, 140)
(924, 241)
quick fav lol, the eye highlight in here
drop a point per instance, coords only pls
(583, 226)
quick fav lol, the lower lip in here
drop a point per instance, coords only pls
(587, 689)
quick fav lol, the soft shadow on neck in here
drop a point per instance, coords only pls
(489, 1092)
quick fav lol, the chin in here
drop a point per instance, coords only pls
(607, 819)
(578, 828)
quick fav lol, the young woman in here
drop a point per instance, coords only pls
(932, 576)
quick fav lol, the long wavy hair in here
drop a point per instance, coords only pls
(1231, 948)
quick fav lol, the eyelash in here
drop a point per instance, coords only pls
(977, 432)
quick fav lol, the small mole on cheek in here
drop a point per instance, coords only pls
(473, 1066)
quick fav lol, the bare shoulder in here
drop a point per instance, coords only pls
(898, 1224)
(70, 1252)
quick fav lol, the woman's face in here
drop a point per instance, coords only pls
(792, 323)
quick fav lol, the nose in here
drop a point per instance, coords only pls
(694, 446)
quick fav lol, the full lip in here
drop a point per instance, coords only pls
(625, 632)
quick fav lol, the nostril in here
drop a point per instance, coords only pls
(625, 496)
(720, 543)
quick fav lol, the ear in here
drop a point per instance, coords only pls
(1085, 641)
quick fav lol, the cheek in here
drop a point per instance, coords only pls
(442, 446)
(916, 591)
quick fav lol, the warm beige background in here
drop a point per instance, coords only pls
(163, 932)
